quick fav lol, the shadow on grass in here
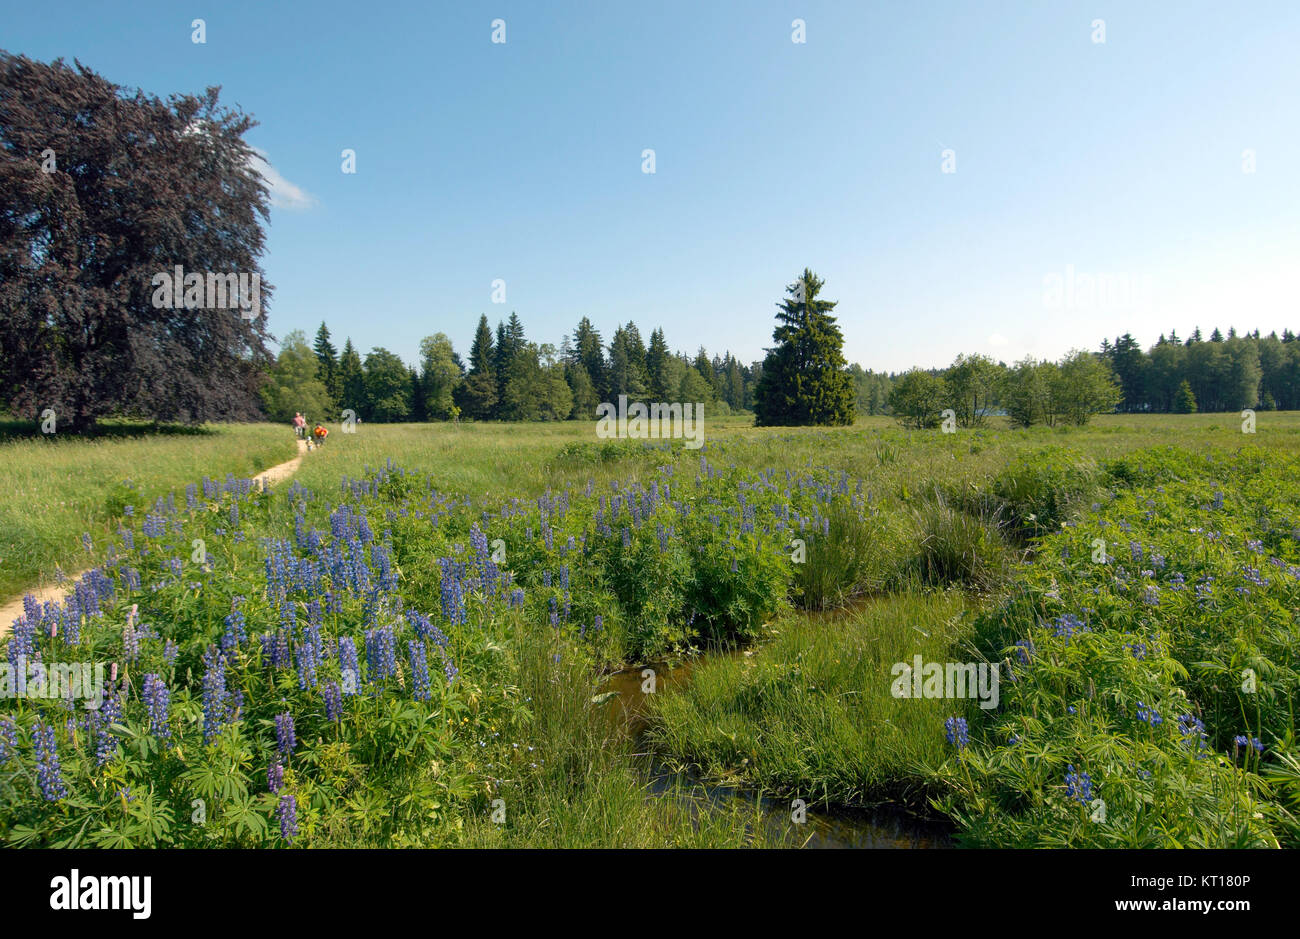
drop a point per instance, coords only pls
(14, 429)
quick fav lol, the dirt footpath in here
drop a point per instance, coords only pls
(14, 608)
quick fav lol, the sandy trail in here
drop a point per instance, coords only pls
(14, 608)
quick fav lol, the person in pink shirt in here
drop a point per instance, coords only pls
(299, 424)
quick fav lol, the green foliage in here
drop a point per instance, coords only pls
(292, 384)
(804, 379)
(970, 384)
(387, 387)
(916, 399)
(1083, 385)
(440, 376)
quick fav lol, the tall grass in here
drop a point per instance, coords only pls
(810, 713)
(56, 488)
(589, 787)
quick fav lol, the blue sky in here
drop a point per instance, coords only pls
(522, 161)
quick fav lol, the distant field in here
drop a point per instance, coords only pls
(56, 488)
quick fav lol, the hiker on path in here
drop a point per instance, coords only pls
(320, 433)
(299, 425)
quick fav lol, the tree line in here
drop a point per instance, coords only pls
(803, 380)
(505, 376)
(1226, 372)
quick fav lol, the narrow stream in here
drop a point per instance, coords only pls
(883, 827)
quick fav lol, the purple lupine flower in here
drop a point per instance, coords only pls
(288, 813)
(448, 666)
(1241, 741)
(1149, 715)
(333, 701)
(1078, 786)
(235, 631)
(157, 700)
(1068, 625)
(109, 713)
(957, 732)
(307, 662)
(275, 776)
(349, 665)
(381, 653)
(284, 735)
(1191, 730)
(419, 671)
(49, 775)
(8, 739)
(170, 652)
(214, 693)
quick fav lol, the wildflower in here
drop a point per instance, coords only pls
(956, 731)
(235, 631)
(448, 667)
(349, 665)
(1242, 741)
(284, 736)
(1192, 731)
(49, 776)
(1068, 625)
(1078, 786)
(8, 739)
(381, 652)
(157, 699)
(333, 701)
(419, 670)
(214, 693)
(288, 813)
(109, 713)
(1149, 715)
(275, 776)
(170, 652)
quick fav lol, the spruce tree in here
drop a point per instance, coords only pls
(327, 368)
(352, 380)
(476, 396)
(804, 378)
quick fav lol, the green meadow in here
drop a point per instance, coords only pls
(1135, 582)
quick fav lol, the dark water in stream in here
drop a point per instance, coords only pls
(882, 827)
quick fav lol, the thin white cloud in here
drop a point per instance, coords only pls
(997, 339)
(284, 194)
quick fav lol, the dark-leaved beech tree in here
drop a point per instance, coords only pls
(101, 190)
(805, 378)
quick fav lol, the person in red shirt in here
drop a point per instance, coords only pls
(320, 433)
